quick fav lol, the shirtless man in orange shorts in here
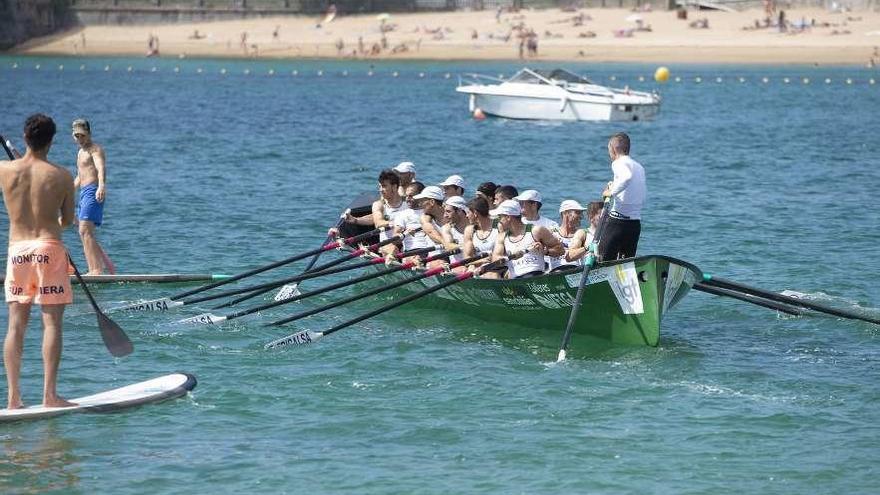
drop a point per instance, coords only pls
(39, 198)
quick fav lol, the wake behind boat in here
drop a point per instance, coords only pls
(556, 95)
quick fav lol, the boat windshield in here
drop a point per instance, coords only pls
(526, 76)
(564, 75)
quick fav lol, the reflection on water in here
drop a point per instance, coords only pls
(37, 460)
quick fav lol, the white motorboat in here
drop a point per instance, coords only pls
(555, 95)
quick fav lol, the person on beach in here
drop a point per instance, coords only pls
(628, 191)
(39, 199)
(91, 181)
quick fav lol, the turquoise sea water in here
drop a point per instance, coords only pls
(772, 184)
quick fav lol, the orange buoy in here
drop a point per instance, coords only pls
(479, 115)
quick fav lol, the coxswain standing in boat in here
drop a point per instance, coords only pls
(91, 181)
(534, 241)
(479, 235)
(39, 198)
(453, 186)
(582, 239)
(628, 190)
(407, 173)
(571, 214)
(455, 218)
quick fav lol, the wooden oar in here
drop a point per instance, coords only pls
(309, 337)
(426, 274)
(165, 303)
(747, 298)
(794, 301)
(114, 337)
(291, 286)
(211, 319)
(588, 265)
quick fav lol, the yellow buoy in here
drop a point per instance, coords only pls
(661, 75)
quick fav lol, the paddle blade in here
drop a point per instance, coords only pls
(561, 357)
(114, 338)
(203, 319)
(288, 291)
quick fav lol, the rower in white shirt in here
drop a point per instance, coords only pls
(453, 186)
(582, 239)
(516, 237)
(531, 201)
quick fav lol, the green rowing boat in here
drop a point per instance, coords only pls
(624, 300)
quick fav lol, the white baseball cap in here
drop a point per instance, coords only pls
(507, 207)
(529, 195)
(457, 202)
(570, 204)
(430, 192)
(453, 180)
(405, 168)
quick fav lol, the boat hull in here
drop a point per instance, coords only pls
(541, 108)
(624, 302)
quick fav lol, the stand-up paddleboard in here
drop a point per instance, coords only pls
(155, 390)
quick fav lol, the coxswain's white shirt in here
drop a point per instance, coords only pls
(628, 188)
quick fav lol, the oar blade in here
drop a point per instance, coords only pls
(300, 338)
(288, 291)
(114, 337)
(202, 319)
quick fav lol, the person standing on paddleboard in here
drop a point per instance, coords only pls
(91, 180)
(39, 198)
(628, 190)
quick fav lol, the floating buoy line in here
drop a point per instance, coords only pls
(661, 76)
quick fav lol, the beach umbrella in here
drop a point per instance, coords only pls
(383, 16)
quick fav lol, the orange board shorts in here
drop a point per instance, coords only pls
(36, 272)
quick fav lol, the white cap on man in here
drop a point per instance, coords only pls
(405, 168)
(507, 207)
(453, 180)
(570, 204)
(430, 192)
(529, 195)
(457, 202)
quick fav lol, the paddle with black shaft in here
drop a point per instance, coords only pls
(588, 265)
(211, 319)
(791, 310)
(794, 301)
(428, 273)
(166, 303)
(308, 337)
(114, 337)
(292, 288)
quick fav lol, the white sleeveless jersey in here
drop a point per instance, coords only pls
(458, 238)
(486, 245)
(527, 263)
(409, 219)
(390, 213)
(554, 262)
(542, 221)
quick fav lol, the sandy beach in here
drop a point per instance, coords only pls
(596, 35)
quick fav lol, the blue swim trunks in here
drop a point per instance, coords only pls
(90, 208)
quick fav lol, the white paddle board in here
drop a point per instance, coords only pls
(155, 390)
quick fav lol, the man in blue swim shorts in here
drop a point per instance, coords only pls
(91, 180)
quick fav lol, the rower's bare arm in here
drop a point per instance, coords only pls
(378, 214)
(576, 250)
(498, 252)
(448, 240)
(552, 245)
(468, 248)
(99, 161)
(430, 231)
